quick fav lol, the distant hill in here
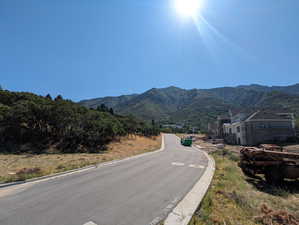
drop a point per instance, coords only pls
(111, 101)
(199, 106)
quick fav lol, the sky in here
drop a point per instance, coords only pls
(86, 49)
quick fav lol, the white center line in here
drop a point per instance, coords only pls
(196, 166)
(177, 164)
(190, 150)
(90, 223)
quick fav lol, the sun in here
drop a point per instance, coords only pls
(187, 8)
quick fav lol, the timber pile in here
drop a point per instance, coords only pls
(274, 165)
(271, 147)
(256, 154)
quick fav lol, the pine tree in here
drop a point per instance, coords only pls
(49, 96)
(103, 108)
(153, 123)
(59, 97)
(111, 111)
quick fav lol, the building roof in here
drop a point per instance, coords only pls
(268, 115)
(222, 117)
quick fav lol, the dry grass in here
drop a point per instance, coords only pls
(209, 147)
(180, 135)
(236, 199)
(20, 167)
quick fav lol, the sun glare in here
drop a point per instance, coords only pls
(187, 8)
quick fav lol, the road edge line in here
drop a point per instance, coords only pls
(183, 212)
(78, 170)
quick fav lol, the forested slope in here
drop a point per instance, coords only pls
(197, 107)
(37, 124)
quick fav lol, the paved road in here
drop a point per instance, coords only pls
(134, 192)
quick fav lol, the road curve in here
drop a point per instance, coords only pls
(139, 191)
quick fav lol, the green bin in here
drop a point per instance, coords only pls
(186, 141)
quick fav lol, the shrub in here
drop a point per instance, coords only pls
(38, 122)
(27, 173)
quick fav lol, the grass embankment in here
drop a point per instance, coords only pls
(21, 167)
(236, 199)
(180, 135)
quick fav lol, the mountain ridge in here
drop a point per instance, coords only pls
(197, 107)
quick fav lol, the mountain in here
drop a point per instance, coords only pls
(199, 106)
(111, 101)
(291, 89)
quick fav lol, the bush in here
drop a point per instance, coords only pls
(39, 122)
(27, 173)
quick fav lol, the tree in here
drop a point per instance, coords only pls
(49, 97)
(103, 108)
(153, 123)
(58, 98)
(111, 111)
(31, 123)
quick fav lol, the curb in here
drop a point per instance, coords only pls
(69, 172)
(3, 185)
(183, 212)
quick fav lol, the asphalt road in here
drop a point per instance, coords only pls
(139, 191)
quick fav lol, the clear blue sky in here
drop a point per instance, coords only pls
(84, 49)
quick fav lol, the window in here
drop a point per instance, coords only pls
(261, 126)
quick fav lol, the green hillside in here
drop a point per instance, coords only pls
(111, 101)
(36, 124)
(200, 106)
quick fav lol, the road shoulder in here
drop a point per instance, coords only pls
(183, 212)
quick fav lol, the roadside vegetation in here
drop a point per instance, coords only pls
(16, 167)
(40, 135)
(36, 124)
(235, 199)
(180, 135)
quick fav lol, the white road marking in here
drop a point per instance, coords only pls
(189, 150)
(196, 166)
(191, 165)
(90, 223)
(177, 164)
(183, 212)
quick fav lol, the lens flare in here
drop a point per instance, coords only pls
(188, 8)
